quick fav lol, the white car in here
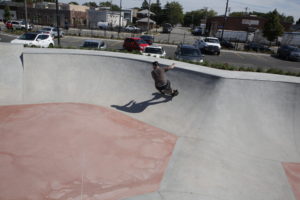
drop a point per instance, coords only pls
(52, 31)
(209, 45)
(208, 41)
(20, 25)
(34, 40)
(132, 29)
(154, 51)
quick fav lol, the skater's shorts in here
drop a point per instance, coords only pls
(164, 87)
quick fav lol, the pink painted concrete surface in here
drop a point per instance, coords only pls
(78, 151)
(292, 170)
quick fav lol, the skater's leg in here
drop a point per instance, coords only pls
(168, 88)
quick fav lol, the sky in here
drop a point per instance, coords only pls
(288, 7)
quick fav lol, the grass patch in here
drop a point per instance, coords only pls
(14, 31)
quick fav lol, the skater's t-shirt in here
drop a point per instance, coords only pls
(159, 76)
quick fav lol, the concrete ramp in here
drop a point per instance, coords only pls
(235, 130)
(11, 73)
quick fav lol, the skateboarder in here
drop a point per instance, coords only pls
(161, 83)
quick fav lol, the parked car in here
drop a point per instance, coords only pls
(102, 25)
(226, 44)
(209, 45)
(8, 25)
(289, 52)
(155, 51)
(18, 24)
(132, 29)
(256, 47)
(148, 38)
(167, 28)
(94, 44)
(52, 31)
(197, 31)
(187, 52)
(134, 43)
(34, 40)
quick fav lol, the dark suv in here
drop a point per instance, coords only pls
(187, 52)
(148, 38)
(257, 47)
(289, 53)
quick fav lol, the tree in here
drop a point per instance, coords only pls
(6, 14)
(173, 13)
(237, 14)
(298, 22)
(73, 3)
(145, 5)
(113, 7)
(195, 17)
(272, 28)
(90, 4)
(290, 19)
(157, 10)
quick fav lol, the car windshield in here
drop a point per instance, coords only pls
(295, 49)
(146, 37)
(28, 36)
(153, 50)
(190, 52)
(46, 29)
(211, 40)
(91, 44)
(141, 41)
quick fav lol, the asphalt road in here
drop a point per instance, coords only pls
(235, 58)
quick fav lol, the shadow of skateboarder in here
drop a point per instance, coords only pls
(134, 107)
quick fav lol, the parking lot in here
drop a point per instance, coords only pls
(183, 35)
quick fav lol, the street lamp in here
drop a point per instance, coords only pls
(26, 27)
(57, 21)
(148, 26)
(120, 18)
(224, 20)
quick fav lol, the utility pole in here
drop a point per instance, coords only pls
(246, 10)
(26, 20)
(224, 20)
(148, 26)
(57, 22)
(120, 19)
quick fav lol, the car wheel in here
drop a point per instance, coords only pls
(218, 53)
(50, 45)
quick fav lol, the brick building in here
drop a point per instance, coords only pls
(245, 23)
(44, 13)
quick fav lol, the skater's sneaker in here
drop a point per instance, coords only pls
(174, 93)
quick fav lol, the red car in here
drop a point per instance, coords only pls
(134, 43)
(9, 25)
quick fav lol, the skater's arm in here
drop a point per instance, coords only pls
(170, 67)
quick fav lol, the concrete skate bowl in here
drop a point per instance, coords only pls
(227, 135)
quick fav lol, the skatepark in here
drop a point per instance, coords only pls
(78, 124)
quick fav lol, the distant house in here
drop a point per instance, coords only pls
(296, 28)
(78, 15)
(144, 13)
(143, 18)
(112, 17)
(143, 23)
